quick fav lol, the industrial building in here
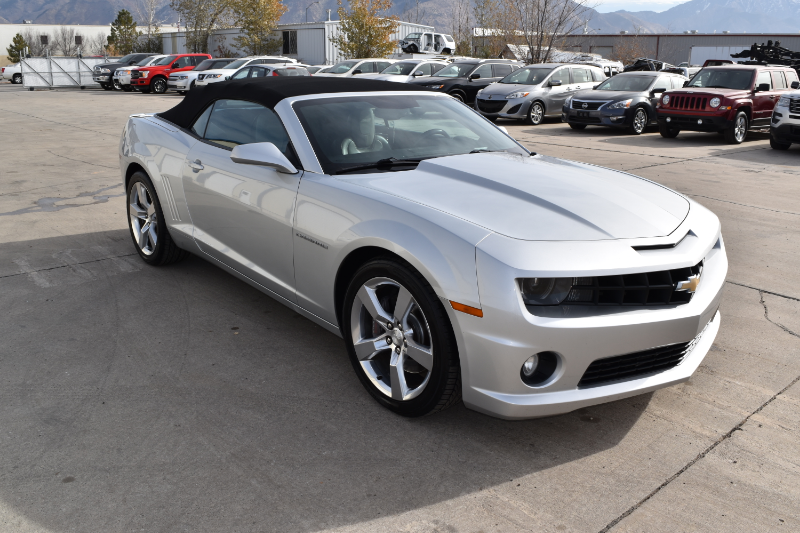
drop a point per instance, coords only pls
(307, 42)
(676, 48)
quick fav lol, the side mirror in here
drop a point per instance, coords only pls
(418, 73)
(174, 65)
(762, 87)
(555, 83)
(657, 90)
(796, 85)
(262, 154)
(357, 71)
(474, 76)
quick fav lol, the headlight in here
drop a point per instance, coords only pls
(209, 76)
(783, 102)
(144, 73)
(517, 95)
(665, 99)
(715, 102)
(620, 105)
(568, 101)
(105, 71)
(182, 77)
(435, 86)
(545, 291)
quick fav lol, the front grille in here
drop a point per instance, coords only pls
(490, 106)
(688, 102)
(649, 288)
(135, 74)
(637, 364)
(590, 106)
(794, 105)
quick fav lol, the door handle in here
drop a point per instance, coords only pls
(578, 87)
(196, 165)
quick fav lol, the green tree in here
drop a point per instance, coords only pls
(124, 36)
(363, 32)
(258, 20)
(17, 48)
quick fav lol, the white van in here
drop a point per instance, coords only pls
(428, 43)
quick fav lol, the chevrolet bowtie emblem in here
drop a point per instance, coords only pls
(690, 285)
(585, 105)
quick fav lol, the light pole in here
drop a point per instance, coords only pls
(309, 5)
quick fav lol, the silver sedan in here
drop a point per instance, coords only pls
(453, 262)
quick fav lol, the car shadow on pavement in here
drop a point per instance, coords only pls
(181, 398)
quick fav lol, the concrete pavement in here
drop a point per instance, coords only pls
(180, 399)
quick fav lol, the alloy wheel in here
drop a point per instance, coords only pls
(392, 339)
(740, 128)
(536, 114)
(117, 86)
(159, 86)
(639, 121)
(144, 219)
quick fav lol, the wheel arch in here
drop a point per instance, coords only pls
(748, 110)
(131, 170)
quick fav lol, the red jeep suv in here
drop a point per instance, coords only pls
(154, 78)
(728, 99)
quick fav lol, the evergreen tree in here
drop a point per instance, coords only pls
(124, 36)
(17, 48)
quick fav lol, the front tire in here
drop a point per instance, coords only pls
(668, 132)
(16, 78)
(535, 114)
(147, 224)
(738, 130)
(459, 96)
(106, 86)
(117, 86)
(400, 340)
(158, 85)
(778, 145)
(639, 121)
(127, 88)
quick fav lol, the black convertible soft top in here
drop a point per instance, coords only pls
(270, 90)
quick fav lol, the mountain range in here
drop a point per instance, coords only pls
(706, 16)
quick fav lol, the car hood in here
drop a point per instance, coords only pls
(727, 93)
(537, 198)
(606, 96)
(110, 65)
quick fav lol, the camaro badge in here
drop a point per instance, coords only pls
(690, 285)
(489, 97)
(585, 105)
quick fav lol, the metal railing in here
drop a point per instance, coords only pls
(58, 72)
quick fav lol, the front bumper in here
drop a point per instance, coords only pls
(615, 118)
(181, 85)
(101, 79)
(785, 126)
(705, 122)
(501, 108)
(494, 347)
(140, 82)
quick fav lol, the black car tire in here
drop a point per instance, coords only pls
(575, 126)
(776, 145)
(458, 95)
(535, 114)
(191, 86)
(16, 78)
(737, 131)
(446, 51)
(144, 89)
(444, 386)
(106, 87)
(412, 49)
(181, 92)
(668, 132)
(159, 85)
(116, 86)
(165, 250)
(638, 121)
(127, 88)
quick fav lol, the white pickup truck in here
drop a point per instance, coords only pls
(12, 72)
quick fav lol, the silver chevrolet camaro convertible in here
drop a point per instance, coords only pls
(454, 262)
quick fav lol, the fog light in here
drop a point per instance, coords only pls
(539, 369)
(669, 119)
(699, 120)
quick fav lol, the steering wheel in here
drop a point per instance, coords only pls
(436, 131)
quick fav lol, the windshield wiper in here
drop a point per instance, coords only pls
(387, 163)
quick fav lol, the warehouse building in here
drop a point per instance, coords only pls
(308, 42)
(676, 48)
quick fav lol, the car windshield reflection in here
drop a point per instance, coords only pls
(393, 132)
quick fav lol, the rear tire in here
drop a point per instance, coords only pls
(667, 132)
(147, 224)
(16, 78)
(778, 145)
(577, 126)
(737, 132)
(401, 381)
(412, 49)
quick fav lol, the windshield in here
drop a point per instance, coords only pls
(144, 62)
(403, 69)
(166, 61)
(236, 64)
(723, 79)
(341, 68)
(354, 131)
(127, 58)
(456, 70)
(413, 36)
(626, 83)
(527, 76)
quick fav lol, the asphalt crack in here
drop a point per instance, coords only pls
(71, 126)
(80, 161)
(763, 290)
(29, 272)
(723, 438)
(744, 205)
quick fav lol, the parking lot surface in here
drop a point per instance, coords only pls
(180, 399)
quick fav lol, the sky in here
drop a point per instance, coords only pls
(608, 6)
